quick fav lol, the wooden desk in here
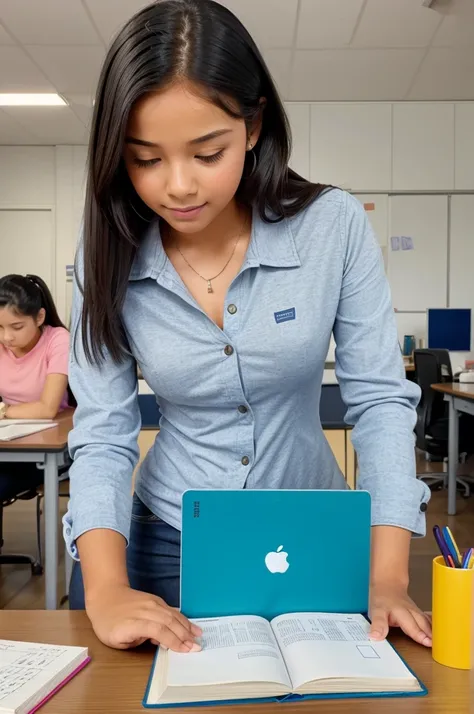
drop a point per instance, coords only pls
(115, 681)
(48, 449)
(409, 367)
(461, 399)
(456, 389)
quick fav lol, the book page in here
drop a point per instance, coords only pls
(327, 645)
(8, 432)
(234, 649)
(26, 669)
(12, 422)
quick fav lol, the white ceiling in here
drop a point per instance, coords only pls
(318, 50)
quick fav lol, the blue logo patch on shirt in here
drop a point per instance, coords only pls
(285, 315)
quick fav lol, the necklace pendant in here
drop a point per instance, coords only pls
(209, 287)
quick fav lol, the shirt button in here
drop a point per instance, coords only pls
(232, 309)
(228, 350)
(243, 409)
(423, 507)
(245, 461)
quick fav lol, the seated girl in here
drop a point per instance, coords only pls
(34, 354)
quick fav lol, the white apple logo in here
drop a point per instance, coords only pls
(276, 561)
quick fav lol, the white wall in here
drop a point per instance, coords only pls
(384, 146)
(46, 178)
(375, 149)
(378, 149)
(350, 145)
(27, 178)
(70, 166)
(28, 187)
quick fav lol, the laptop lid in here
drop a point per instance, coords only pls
(267, 552)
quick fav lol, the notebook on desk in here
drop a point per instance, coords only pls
(16, 428)
(279, 583)
(31, 673)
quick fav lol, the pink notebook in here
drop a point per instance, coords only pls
(31, 673)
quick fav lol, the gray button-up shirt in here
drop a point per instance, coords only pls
(318, 273)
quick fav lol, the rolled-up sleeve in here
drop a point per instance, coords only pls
(381, 402)
(103, 442)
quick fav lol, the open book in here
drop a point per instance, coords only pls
(247, 657)
(31, 673)
(15, 428)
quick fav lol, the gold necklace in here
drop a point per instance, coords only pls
(209, 280)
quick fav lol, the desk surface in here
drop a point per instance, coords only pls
(115, 681)
(455, 389)
(54, 439)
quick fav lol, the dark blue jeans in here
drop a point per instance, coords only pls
(153, 559)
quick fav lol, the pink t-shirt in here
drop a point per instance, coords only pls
(22, 379)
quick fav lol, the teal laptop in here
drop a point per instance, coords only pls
(268, 552)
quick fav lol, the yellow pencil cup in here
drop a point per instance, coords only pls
(453, 615)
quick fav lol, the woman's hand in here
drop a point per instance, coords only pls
(124, 618)
(390, 606)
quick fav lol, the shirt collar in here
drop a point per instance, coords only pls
(271, 244)
(150, 258)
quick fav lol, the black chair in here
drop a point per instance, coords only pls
(12, 489)
(15, 486)
(432, 427)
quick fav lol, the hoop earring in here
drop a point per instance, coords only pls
(254, 166)
(146, 220)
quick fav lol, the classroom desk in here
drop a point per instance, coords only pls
(47, 448)
(461, 399)
(115, 681)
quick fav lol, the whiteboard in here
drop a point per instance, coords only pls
(418, 278)
(376, 207)
(28, 242)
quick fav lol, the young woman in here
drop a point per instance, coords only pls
(34, 353)
(222, 274)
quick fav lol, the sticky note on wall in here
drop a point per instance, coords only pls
(369, 206)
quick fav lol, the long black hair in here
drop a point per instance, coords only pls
(203, 42)
(26, 295)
